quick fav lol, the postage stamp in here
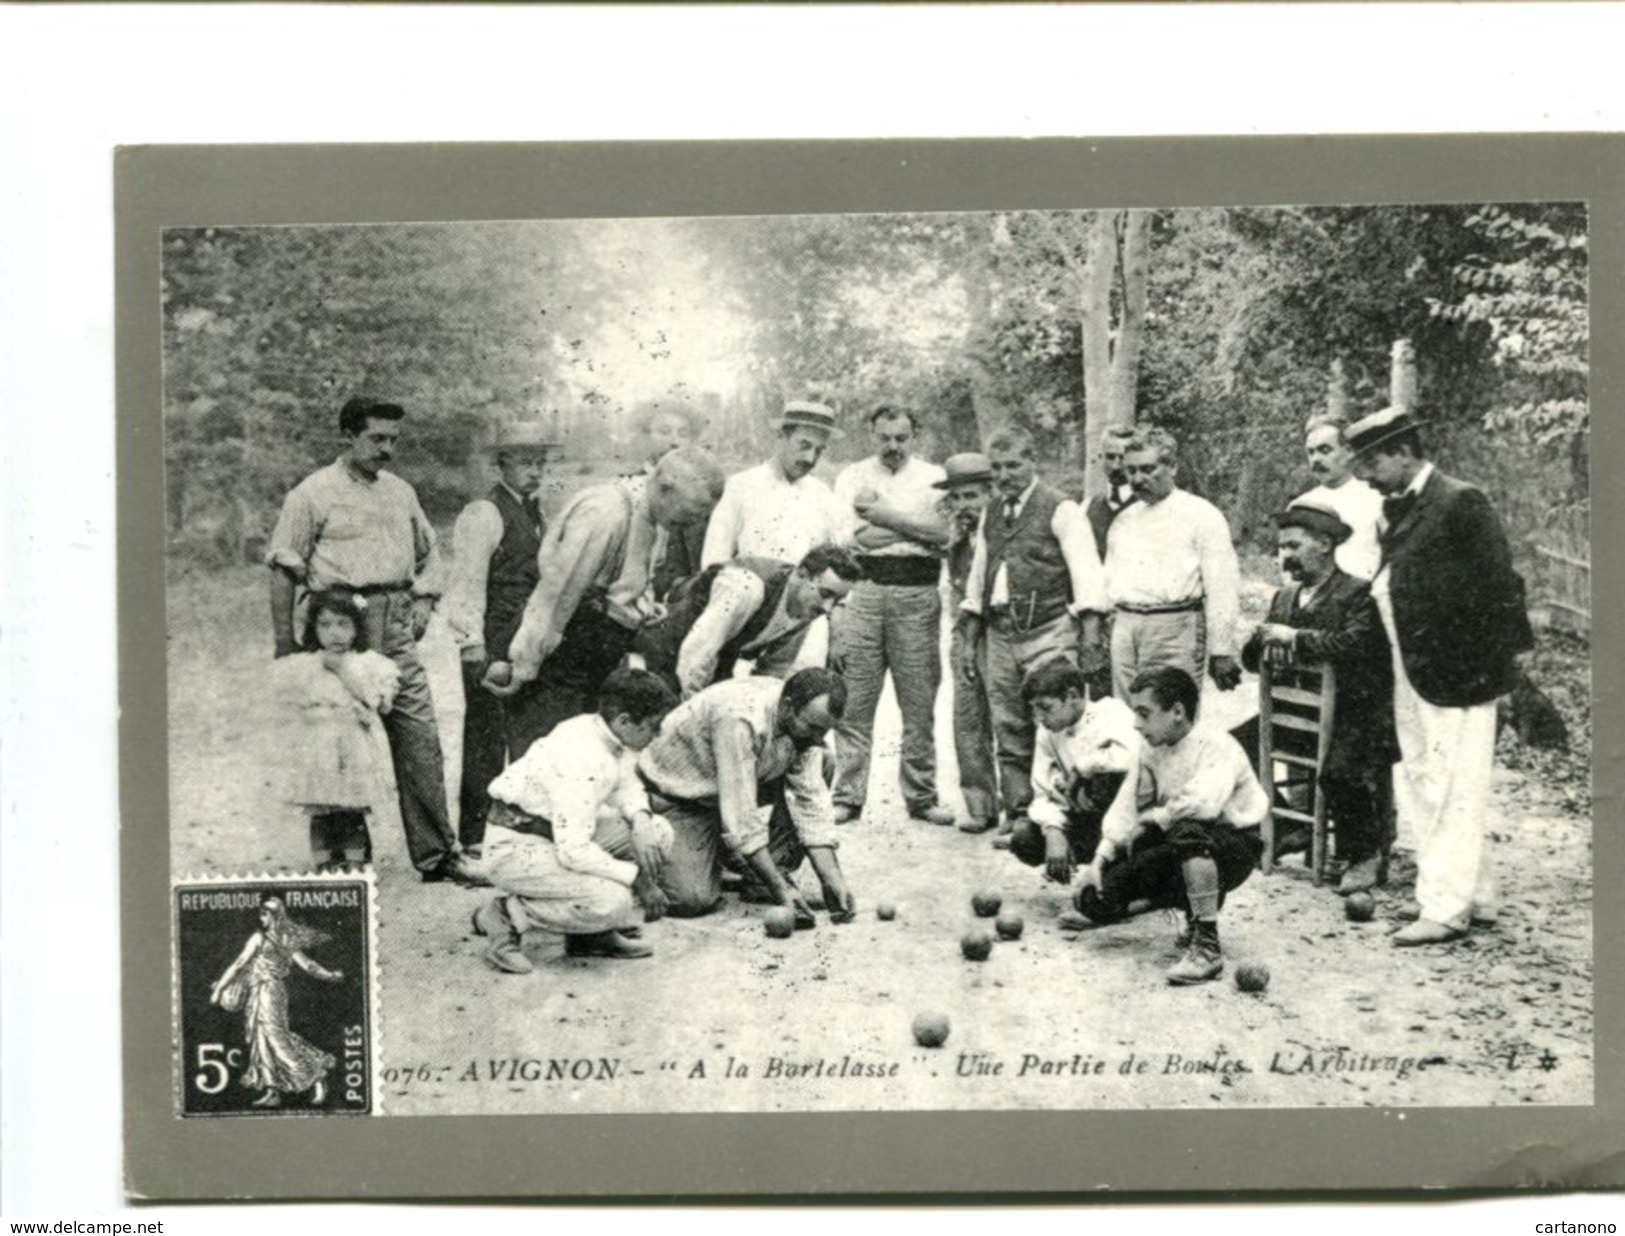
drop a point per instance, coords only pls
(274, 992)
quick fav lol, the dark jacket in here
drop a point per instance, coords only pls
(1459, 607)
(1102, 510)
(1341, 627)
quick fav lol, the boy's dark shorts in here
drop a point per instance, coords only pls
(1152, 869)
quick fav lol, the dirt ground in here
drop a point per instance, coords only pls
(726, 1019)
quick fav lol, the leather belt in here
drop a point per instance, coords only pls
(900, 570)
(378, 590)
(1190, 605)
(506, 815)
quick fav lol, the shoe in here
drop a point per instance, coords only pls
(1426, 931)
(846, 813)
(472, 853)
(269, 1099)
(1292, 841)
(976, 826)
(633, 932)
(1002, 841)
(1202, 962)
(936, 814)
(606, 944)
(1361, 877)
(1481, 916)
(318, 1094)
(458, 870)
(1185, 933)
(1071, 920)
(490, 919)
(506, 952)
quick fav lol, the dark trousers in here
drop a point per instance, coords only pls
(1153, 869)
(567, 686)
(1082, 823)
(496, 731)
(692, 875)
(1360, 806)
(414, 738)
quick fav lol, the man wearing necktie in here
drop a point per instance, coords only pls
(1104, 508)
(1455, 615)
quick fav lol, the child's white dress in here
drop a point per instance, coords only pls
(342, 756)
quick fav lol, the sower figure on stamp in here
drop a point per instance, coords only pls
(1084, 750)
(574, 846)
(969, 486)
(494, 545)
(1454, 611)
(733, 749)
(1171, 838)
(1172, 574)
(356, 528)
(593, 593)
(1036, 591)
(893, 620)
(1326, 617)
(750, 609)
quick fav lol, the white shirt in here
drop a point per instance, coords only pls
(474, 538)
(1380, 584)
(1204, 776)
(1070, 527)
(1177, 550)
(1102, 740)
(567, 778)
(1360, 507)
(762, 514)
(911, 490)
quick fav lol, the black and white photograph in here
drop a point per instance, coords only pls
(1014, 660)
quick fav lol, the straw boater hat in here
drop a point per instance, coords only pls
(802, 414)
(1379, 427)
(969, 468)
(521, 436)
(1315, 517)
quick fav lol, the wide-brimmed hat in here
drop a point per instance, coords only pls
(521, 436)
(803, 414)
(1315, 517)
(967, 468)
(1372, 431)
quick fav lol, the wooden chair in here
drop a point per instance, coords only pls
(1296, 709)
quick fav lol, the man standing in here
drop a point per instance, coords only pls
(355, 528)
(494, 544)
(664, 425)
(1326, 618)
(1454, 611)
(1035, 591)
(1104, 508)
(1172, 574)
(1356, 503)
(969, 483)
(779, 509)
(750, 609)
(593, 590)
(893, 620)
(735, 745)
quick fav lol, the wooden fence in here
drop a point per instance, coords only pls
(1562, 583)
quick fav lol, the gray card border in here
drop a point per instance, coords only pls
(946, 1154)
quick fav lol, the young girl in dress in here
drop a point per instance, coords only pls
(341, 757)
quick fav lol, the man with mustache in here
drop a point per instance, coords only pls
(1104, 508)
(893, 620)
(969, 486)
(734, 748)
(1171, 573)
(1331, 463)
(1454, 610)
(1326, 617)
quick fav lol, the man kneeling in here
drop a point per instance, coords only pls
(1084, 749)
(1170, 836)
(572, 842)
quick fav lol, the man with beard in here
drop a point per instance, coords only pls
(1171, 573)
(1104, 508)
(721, 756)
(1331, 462)
(1454, 611)
(1326, 617)
(893, 620)
(1035, 591)
(779, 509)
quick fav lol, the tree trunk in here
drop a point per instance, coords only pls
(1402, 375)
(1095, 307)
(1136, 255)
(987, 410)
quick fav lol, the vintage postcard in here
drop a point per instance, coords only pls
(741, 648)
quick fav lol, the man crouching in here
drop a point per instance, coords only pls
(1170, 836)
(571, 841)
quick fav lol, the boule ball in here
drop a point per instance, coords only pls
(500, 674)
(1254, 976)
(1009, 925)
(931, 1029)
(986, 903)
(1359, 907)
(779, 922)
(976, 945)
(885, 911)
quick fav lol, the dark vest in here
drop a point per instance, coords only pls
(512, 575)
(660, 643)
(1040, 585)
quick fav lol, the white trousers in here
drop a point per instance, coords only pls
(1442, 794)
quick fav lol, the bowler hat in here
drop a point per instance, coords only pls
(1315, 517)
(802, 414)
(521, 435)
(968, 468)
(1372, 431)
